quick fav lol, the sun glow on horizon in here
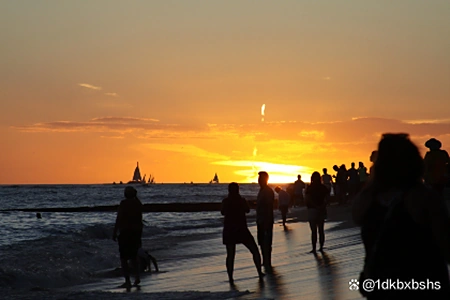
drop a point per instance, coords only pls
(278, 173)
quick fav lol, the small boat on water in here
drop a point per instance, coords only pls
(137, 179)
(215, 179)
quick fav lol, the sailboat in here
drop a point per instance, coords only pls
(136, 176)
(215, 179)
(151, 179)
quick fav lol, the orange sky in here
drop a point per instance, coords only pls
(89, 88)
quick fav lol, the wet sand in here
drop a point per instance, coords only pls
(195, 268)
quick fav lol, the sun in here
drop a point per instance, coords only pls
(278, 173)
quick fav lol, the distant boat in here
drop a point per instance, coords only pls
(215, 179)
(151, 180)
(137, 176)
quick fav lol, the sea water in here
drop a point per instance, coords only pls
(66, 248)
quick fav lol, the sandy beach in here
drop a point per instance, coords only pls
(194, 268)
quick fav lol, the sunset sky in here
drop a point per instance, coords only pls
(88, 88)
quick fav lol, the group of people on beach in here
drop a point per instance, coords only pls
(235, 230)
(345, 184)
(405, 224)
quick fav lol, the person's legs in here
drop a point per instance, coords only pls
(267, 249)
(313, 226)
(124, 254)
(136, 265)
(251, 245)
(320, 225)
(231, 252)
(284, 210)
(125, 271)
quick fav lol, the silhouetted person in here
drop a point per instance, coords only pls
(299, 186)
(235, 230)
(283, 203)
(38, 215)
(264, 219)
(316, 194)
(335, 186)
(373, 159)
(327, 181)
(342, 185)
(436, 162)
(363, 175)
(405, 226)
(129, 226)
(353, 181)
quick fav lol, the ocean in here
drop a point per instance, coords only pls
(68, 248)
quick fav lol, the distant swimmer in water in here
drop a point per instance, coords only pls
(38, 215)
(235, 230)
(129, 226)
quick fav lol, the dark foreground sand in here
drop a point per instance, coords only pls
(195, 269)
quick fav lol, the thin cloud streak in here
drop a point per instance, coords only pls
(90, 86)
(112, 94)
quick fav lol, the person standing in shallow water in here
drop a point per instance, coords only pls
(235, 230)
(129, 227)
(316, 195)
(405, 226)
(264, 218)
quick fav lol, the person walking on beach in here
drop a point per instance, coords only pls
(283, 203)
(436, 162)
(299, 186)
(235, 230)
(264, 219)
(316, 194)
(129, 227)
(405, 226)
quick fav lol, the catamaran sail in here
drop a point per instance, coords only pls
(215, 179)
(137, 174)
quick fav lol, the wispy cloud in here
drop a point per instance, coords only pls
(123, 119)
(112, 94)
(103, 124)
(427, 121)
(90, 86)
